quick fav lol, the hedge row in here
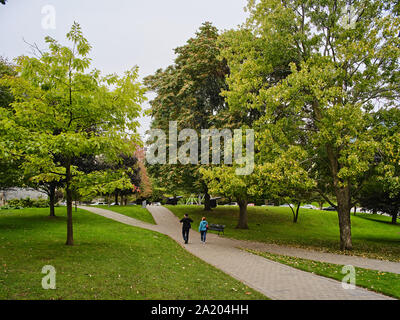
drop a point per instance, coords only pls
(28, 203)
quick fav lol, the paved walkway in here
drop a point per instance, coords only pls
(366, 263)
(274, 280)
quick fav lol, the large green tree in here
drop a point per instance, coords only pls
(10, 174)
(381, 192)
(224, 180)
(62, 111)
(286, 180)
(375, 197)
(188, 92)
(317, 75)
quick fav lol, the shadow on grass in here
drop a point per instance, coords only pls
(380, 240)
(378, 220)
(30, 222)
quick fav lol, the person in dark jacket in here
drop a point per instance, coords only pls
(186, 225)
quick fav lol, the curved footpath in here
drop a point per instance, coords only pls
(274, 280)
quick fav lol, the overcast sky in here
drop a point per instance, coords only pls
(122, 33)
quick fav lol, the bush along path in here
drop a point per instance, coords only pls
(274, 280)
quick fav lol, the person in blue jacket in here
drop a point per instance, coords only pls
(203, 229)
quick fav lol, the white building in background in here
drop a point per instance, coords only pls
(20, 193)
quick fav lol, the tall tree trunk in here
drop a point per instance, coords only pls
(295, 214)
(343, 199)
(70, 234)
(207, 202)
(116, 197)
(394, 218)
(242, 224)
(52, 199)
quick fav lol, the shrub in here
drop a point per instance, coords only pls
(13, 203)
(41, 203)
(29, 203)
(8, 207)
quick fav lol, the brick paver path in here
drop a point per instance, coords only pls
(274, 280)
(366, 263)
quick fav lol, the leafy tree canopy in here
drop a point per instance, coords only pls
(62, 112)
(316, 80)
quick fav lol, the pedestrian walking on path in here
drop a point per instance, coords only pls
(186, 225)
(203, 229)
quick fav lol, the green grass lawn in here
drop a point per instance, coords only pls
(110, 260)
(382, 282)
(373, 235)
(135, 211)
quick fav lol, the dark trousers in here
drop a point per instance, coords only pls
(185, 234)
(203, 235)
